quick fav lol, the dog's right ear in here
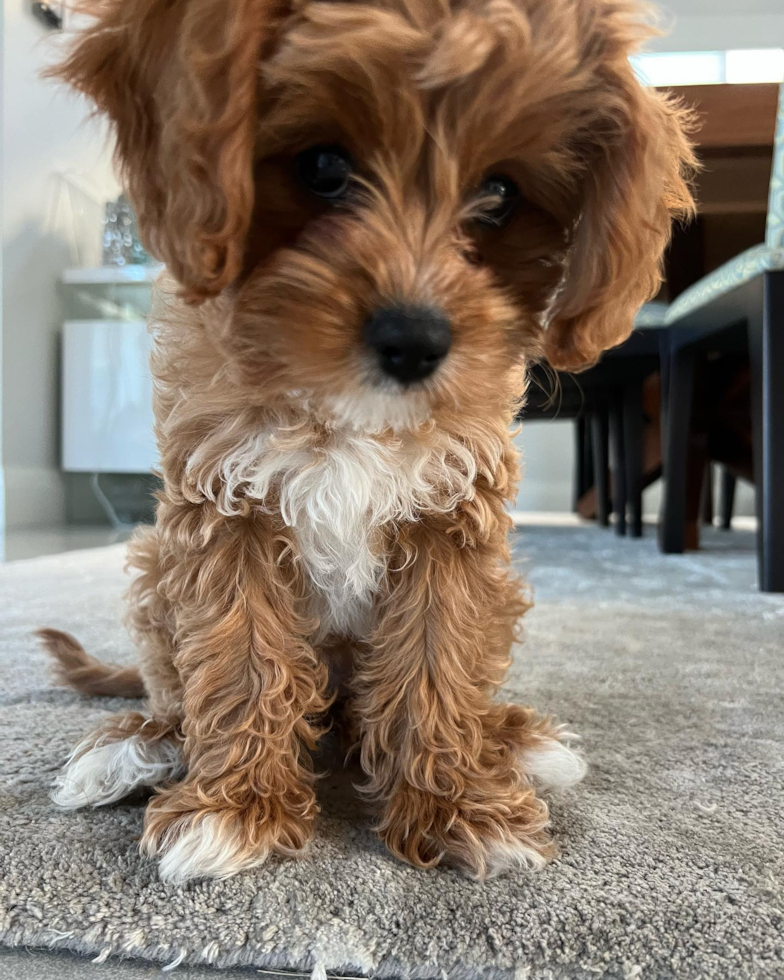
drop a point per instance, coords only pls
(179, 80)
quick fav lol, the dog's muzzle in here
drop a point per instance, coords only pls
(409, 342)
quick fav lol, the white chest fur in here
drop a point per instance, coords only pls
(337, 492)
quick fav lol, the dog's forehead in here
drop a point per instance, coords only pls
(433, 13)
(505, 78)
(477, 51)
(471, 28)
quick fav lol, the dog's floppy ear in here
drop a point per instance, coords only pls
(638, 161)
(179, 81)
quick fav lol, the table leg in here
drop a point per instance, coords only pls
(601, 463)
(766, 347)
(619, 463)
(680, 388)
(728, 484)
(634, 435)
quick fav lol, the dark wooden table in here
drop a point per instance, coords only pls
(735, 143)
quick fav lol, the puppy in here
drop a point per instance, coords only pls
(373, 215)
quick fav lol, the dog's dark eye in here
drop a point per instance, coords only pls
(501, 194)
(325, 170)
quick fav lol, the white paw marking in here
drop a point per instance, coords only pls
(209, 846)
(509, 855)
(109, 771)
(551, 764)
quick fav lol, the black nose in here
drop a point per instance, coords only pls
(410, 342)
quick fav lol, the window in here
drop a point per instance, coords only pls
(766, 65)
(710, 67)
(682, 68)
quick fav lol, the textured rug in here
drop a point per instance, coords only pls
(672, 859)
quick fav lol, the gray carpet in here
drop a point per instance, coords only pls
(672, 859)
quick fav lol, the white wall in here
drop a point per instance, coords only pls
(718, 25)
(45, 133)
(547, 459)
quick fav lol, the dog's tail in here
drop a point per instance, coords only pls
(75, 668)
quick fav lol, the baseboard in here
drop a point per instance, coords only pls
(544, 495)
(34, 496)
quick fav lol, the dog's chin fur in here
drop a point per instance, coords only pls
(314, 515)
(375, 410)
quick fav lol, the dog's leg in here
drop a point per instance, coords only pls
(253, 690)
(134, 750)
(539, 748)
(445, 762)
(151, 619)
(126, 753)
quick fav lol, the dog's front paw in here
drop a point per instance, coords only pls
(541, 749)
(192, 840)
(550, 762)
(482, 835)
(126, 754)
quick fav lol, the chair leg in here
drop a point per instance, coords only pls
(590, 479)
(728, 484)
(706, 503)
(619, 463)
(675, 433)
(633, 436)
(766, 347)
(582, 476)
(601, 464)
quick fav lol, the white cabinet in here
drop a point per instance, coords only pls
(107, 397)
(107, 423)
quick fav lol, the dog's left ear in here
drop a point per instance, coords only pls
(638, 161)
(179, 80)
